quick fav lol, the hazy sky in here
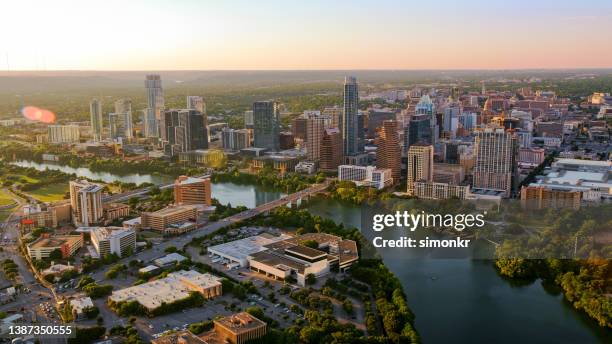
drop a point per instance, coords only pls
(306, 34)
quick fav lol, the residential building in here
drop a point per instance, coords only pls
(419, 165)
(531, 157)
(114, 211)
(335, 113)
(448, 173)
(235, 139)
(349, 126)
(266, 130)
(63, 133)
(495, 160)
(186, 129)
(388, 154)
(192, 190)
(120, 122)
(95, 113)
(550, 196)
(86, 202)
(196, 103)
(155, 106)
(434, 190)
(314, 135)
(298, 128)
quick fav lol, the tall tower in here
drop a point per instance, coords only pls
(155, 105)
(349, 128)
(388, 154)
(123, 112)
(495, 160)
(266, 123)
(331, 150)
(86, 202)
(95, 113)
(315, 125)
(420, 165)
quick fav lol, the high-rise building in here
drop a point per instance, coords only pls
(63, 133)
(192, 190)
(426, 107)
(235, 140)
(420, 165)
(315, 126)
(388, 154)
(248, 119)
(185, 129)
(95, 113)
(298, 128)
(418, 131)
(495, 160)
(376, 117)
(155, 106)
(120, 122)
(350, 131)
(331, 150)
(196, 103)
(86, 202)
(112, 240)
(544, 197)
(335, 113)
(450, 121)
(266, 120)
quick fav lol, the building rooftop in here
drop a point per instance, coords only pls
(181, 337)
(169, 259)
(305, 252)
(172, 209)
(241, 249)
(55, 241)
(81, 303)
(240, 322)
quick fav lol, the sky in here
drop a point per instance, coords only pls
(306, 34)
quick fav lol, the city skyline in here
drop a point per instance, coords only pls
(314, 36)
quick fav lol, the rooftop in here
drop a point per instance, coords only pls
(240, 322)
(241, 249)
(55, 241)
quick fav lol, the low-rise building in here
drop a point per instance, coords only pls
(306, 167)
(113, 211)
(163, 219)
(169, 260)
(371, 176)
(237, 328)
(79, 305)
(434, 190)
(42, 248)
(111, 240)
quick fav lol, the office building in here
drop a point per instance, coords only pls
(419, 165)
(266, 130)
(196, 103)
(418, 131)
(155, 106)
(79, 306)
(95, 118)
(248, 119)
(453, 174)
(237, 328)
(314, 135)
(42, 247)
(86, 202)
(376, 118)
(286, 140)
(185, 129)
(349, 126)
(192, 190)
(235, 139)
(369, 176)
(111, 240)
(114, 211)
(331, 150)
(171, 220)
(63, 134)
(531, 157)
(335, 113)
(298, 128)
(495, 161)
(120, 122)
(425, 107)
(176, 286)
(388, 153)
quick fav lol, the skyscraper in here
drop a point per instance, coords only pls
(86, 202)
(420, 165)
(426, 107)
(331, 150)
(495, 164)
(95, 113)
(266, 121)
(197, 103)
(417, 131)
(155, 106)
(185, 128)
(350, 130)
(120, 122)
(192, 190)
(315, 125)
(388, 154)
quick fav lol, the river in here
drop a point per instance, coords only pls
(455, 300)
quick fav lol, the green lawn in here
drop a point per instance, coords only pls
(5, 198)
(50, 193)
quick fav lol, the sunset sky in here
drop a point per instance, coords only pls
(383, 34)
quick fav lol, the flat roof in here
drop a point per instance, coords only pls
(56, 241)
(278, 260)
(242, 248)
(169, 258)
(173, 209)
(240, 322)
(305, 251)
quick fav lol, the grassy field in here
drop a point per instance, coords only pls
(50, 193)
(5, 198)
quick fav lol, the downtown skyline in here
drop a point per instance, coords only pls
(313, 36)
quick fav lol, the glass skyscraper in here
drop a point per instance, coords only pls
(350, 131)
(266, 125)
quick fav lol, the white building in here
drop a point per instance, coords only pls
(237, 252)
(79, 305)
(307, 167)
(63, 133)
(371, 176)
(108, 240)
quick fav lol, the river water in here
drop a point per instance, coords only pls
(455, 300)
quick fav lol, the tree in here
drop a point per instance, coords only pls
(55, 254)
(311, 243)
(311, 279)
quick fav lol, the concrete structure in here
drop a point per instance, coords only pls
(238, 328)
(107, 240)
(162, 220)
(44, 246)
(63, 133)
(530, 157)
(79, 305)
(169, 260)
(448, 173)
(266, 119)
(176, 286)
(181, 337)
(237, 252)
(235, 140)
(495, 165)
(314, 135)
(389, 154)
(86, 202)
(113, 211)
(185, 129)
(366, 175)
(433, 190)
(192, 190)
(544, 197)
(95, 119)
(420, 165)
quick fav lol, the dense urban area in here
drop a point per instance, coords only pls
(179, 212)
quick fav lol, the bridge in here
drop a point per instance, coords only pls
(124, 196)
